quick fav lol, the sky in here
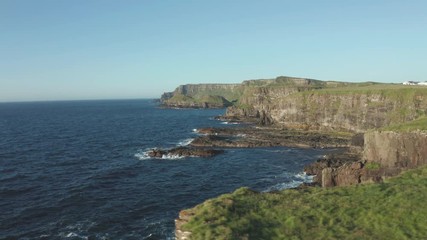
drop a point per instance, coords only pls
(104, 49)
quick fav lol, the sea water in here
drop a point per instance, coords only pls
(79, 169)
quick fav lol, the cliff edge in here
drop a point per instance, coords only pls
(389, 123)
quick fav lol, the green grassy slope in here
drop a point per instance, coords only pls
(395, 209)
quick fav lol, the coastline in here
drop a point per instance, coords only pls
(350, 166)
(381, 130)
(252, 135)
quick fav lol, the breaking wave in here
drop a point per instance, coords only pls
(143, 154)
(295, 181)
(185, 142)
(230, 123)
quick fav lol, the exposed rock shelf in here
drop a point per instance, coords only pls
(268, 137)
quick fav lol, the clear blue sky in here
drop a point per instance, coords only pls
(103, 49)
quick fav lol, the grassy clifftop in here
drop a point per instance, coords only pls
(395, 209)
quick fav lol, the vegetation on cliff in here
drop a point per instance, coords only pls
(419, 124)
(205, 101)
(394, 209)
(351, 107)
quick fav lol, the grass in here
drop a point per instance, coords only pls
(417, 124)
(373, 165)
(395, 209)
(180, 98)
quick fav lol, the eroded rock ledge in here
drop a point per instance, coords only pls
(255, 136)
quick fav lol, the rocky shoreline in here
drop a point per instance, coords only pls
(380, 129)
(250, 136)
(268, 136)
(355, 162)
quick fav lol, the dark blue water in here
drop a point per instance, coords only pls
(77, 170)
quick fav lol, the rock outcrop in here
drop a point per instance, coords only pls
(246, 137)
(183, 152)
(396, 149)
(385, 154)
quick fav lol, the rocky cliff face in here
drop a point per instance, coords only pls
(396, 149)
(307, 103)
(332, 108)
(385, 153)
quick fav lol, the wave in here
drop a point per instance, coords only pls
(172, 156)
(230, 123)
(185, 142)
(75, 235)
(77, 230)
(143, 155)
(297, 180)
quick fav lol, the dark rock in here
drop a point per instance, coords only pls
(250, 136)
(157, 153)
(184, 152)
(345, 175)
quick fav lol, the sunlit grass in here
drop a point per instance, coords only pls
(395, 209)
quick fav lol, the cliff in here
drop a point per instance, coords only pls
(207, 95)
(391, 149)
(389, 123)
(202, 96)
(307, 103)
(354, 108)
(385, 153)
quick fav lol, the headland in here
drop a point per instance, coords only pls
(380, 128)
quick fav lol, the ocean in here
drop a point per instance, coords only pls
(79, 169)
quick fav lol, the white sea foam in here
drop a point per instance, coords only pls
(230, 123)
(143, 154)
(185, 142)
(171, 156)
(71, 234)
(303, 176)
(297, 180)
(195, 130)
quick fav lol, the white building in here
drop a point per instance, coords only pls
(410, 83)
